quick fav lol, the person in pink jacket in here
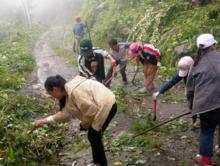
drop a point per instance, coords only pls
(150, 57)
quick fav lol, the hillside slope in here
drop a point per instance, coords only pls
(166, 24)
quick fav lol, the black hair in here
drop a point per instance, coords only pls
(200, 52)
(113, 42)
(58, 82)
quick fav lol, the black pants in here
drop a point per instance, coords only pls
(95, 139)
(208, 122)
(122, 71)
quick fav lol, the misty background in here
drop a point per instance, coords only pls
(45, 11)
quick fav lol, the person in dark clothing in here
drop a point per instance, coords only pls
(119, 52)
(91, 62)
(203, 94)
(184, 65)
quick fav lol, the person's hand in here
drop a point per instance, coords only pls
(113, 62)
(38, 123)
(82, 128)
(155, 95)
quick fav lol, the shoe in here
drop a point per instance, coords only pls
(217, 151)
(143, 90)
(203, 160)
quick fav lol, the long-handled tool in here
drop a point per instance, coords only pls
(113, 74)
(88, 31)
(161, 124)
(155, 110)
(132, 81)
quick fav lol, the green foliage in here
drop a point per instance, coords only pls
(142, 125)
(16, 62)
(16, 145)
(166, 24)
(119, 91)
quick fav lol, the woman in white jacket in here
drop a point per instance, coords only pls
(89, 101)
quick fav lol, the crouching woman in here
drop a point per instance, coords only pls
(89, 101)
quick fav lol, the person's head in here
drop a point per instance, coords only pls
(54, 85)
(184, 65)
(204, 42)
(113, 44)
(136, 48)
(77, 18)
(85, 47)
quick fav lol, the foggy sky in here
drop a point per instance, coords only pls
(43, 10)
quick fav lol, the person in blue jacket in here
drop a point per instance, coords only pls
(184, 65)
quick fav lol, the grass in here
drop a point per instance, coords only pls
(16, 110)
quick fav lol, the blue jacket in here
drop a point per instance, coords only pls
(79, 29)
(169, 84)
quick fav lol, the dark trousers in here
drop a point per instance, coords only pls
(95, 139)
(208, 121)
(122, 71)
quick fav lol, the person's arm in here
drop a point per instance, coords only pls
(190, 90)
(125, 44)
(59, 116)
(82, 68)
(107, 55)
(74, 29)
(169, 84)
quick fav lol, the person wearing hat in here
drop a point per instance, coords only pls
(203, 95)
(150, 57)
(91, 62)
(79, 29)
(87, 100)
(184, 65)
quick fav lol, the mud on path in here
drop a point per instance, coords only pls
(176, 147)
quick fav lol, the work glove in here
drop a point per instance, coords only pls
(155, 95)
(82, 128)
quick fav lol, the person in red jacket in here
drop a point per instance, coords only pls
(150, 57)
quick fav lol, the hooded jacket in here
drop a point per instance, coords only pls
(87, 100)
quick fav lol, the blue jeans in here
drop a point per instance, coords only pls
(208, 122)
